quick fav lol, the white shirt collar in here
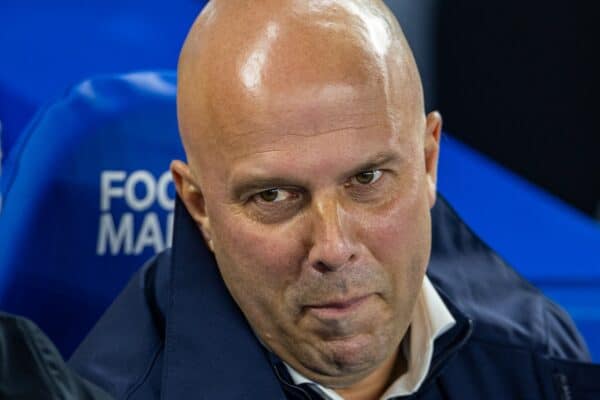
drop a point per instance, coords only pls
(431, 319)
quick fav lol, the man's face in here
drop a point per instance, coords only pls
(316, 203)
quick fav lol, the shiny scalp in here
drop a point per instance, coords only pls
(239, 51)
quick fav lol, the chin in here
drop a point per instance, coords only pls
(346, 360)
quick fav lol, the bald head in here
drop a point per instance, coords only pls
(240, 55)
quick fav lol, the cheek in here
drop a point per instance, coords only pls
(252, 256)
(399, 236)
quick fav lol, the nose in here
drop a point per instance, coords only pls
(332, 244)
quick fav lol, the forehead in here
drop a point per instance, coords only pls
(313, 131)
(302, 113)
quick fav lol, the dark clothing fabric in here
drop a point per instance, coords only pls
(176, 333)
(32, 368)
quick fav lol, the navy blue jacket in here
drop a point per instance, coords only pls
(175, 332)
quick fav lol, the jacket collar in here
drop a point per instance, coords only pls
(200, 307)
(448, 345)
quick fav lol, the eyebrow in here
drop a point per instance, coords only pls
(259, 183)
(254, 183)
(378, 160)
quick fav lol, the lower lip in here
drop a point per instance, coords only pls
(338, 310)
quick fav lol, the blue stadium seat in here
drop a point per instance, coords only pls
(87, 198)
(76, 39)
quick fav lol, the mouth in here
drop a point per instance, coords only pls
(337, 308)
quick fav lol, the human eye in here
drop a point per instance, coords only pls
(273, 195)
(274, 205)
(368, 185)
(367, 177)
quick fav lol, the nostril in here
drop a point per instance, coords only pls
(324, 265)
(321, 267)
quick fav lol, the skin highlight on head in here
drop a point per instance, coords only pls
(311, 173)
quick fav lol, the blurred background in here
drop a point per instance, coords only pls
(516, 82)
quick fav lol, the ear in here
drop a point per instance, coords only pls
(192, 198)
(433, 132)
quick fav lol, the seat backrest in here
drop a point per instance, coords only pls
(107, 36)
(86, 199)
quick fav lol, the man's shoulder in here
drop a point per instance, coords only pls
(505, 309)
(123, 352)
(495, 369)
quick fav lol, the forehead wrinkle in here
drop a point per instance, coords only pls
(323, 132)
(264, 137)
(261, 138)
(231, 140)
(270, 125)
(257, 153)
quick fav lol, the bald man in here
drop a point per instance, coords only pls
(303, 234)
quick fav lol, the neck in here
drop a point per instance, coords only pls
(375, 384)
